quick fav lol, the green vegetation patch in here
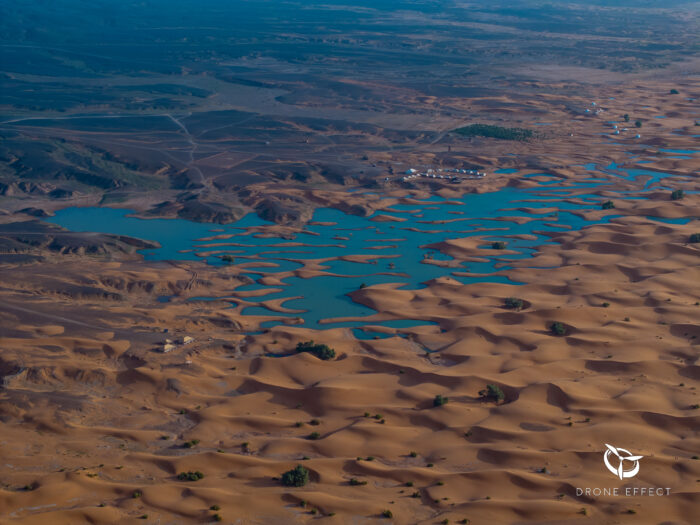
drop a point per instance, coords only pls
(514, 303)
(495, 132)
(190, 476)
(492, 393)
(321, 351)
(297, 477)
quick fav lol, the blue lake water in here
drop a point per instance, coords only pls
(396, 252)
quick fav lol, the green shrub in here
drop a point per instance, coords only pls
(214, 507)
(492, 392)
(677, 195)
(608, 205)
(694, 238)
(638, 123)
(297, 477)
(413, 454)
(498, 245)
(321, 351)
(557, 328)
(626, 117)
(228, 259)
(218, 517)
(514, 303)
(191, 443)
(495, 132)
(190, 475)
(440, 400)
(136, 494)
(673, 92)
(357, 483)
(314, 435)
(387, 514)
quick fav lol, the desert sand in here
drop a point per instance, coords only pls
(96, 421)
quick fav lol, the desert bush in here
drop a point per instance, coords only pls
(694, 238)
(557, 328)
(387, 514)
(498, 245)
(297, 477)
(677, 195)
(314, 436)
(673, 92)
(492, 392)
(514, 303)
(321, 351)
(608, 205)
(191, 443)
(440, 400)
(638, 123)
(190, 475)
(356, 482)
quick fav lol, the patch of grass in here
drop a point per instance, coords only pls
(557, 328)
(321, 351)
(440, 400)
(492, 392)
(190, 475)
(297, 477)
(495, 132)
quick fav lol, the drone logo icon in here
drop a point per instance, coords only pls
(622, 455)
